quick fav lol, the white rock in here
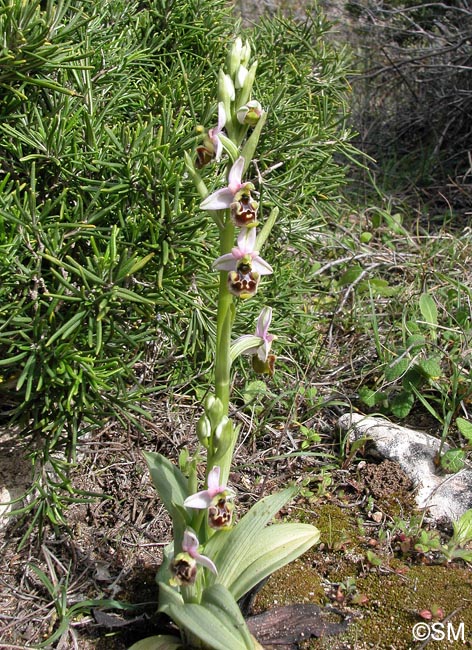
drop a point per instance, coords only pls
(444, 496)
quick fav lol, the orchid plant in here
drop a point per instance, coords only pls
(213, 561)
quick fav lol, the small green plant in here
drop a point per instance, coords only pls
(455, 547)
(427, 371)
(347, 592)
(57, 586)
(413, 538)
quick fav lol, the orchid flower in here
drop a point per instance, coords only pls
(212, 148)
(245, 254)
(261, 349)
(184, 565)
(250, 113)
(224, 197)
(244, 264)
(216, 498)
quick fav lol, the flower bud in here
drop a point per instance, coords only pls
(203, 430)
(241, 76)
(233, 60)
(214, 411)
(223, 436)
(246, 86)
(209, 400)
(225, 88)
(249, 113)
(221, 428)
(245, 54)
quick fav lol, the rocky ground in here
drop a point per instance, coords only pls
(373, 570)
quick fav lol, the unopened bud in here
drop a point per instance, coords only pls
(245, 54)
(214, 411)
(241, 76)
(233, 60)
(246, 86)
(225, 88)
(204, 430)
(223, 436)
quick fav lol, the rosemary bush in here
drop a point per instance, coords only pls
(100, 234)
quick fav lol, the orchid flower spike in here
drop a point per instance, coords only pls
(212, 148)
(184, 565)
(244, 264)
(222, 198)
(217, 499)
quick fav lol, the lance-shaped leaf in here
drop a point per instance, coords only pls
(230, 550)
(251, 551)
(216, 622)
(171, 486)
(272, 548)
(159, 642)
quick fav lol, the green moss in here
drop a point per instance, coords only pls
(298, 582)
(395, 592)
(394, 602)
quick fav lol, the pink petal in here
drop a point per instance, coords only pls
(218, 148)
(261, 266)
(219, 200)
(198, 500)
(235, 175)
(206, 562)
(190, 543)
(221, 117)
(225, 263)
(263, 322)
(214, 480)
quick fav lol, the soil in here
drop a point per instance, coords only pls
(113, 546)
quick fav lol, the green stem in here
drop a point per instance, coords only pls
(224, 324)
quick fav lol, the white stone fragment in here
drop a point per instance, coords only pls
(444, 496)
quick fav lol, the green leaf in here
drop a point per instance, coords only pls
(171, 486)
(402, 404)
(159, 642)
(216, 622)
(223, 604)
(415, 341)
(168, 595)
(396, 368)
(465, 427)
(431, 368)
(232, 551)
(265, 231)
(452, 461)
(428, 309)
(254, 389)
(412, 379)
(371, 397)
(462, 529)
(351, 275)
(66, 330)
(273, 547)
